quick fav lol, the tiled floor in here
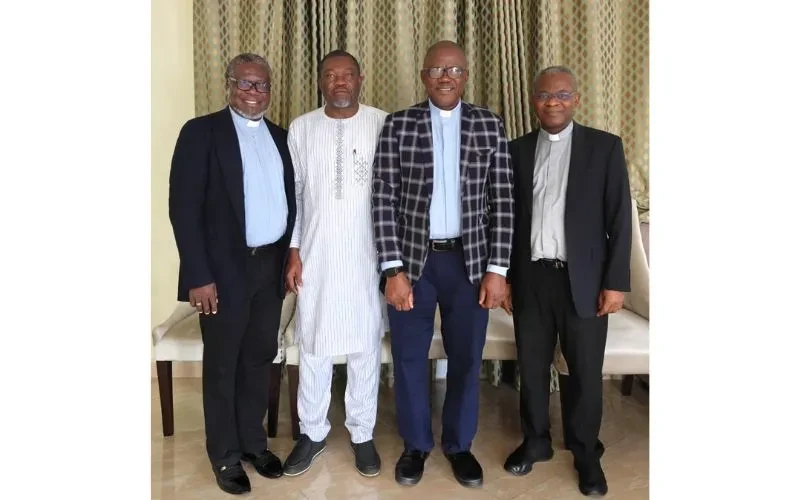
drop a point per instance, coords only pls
(180, 468)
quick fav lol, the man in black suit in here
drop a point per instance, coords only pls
(232, 207)
(570, 265)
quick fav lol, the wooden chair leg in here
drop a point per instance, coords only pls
(293, 371)
(164, 371)
(276, 373)
(566, 404)
(627, 385)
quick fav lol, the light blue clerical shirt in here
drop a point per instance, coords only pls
(265, 208)
(445, 209)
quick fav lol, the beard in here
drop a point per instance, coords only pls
(342, 102)
(249, 116)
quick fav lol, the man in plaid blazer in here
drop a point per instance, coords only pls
(443, 215)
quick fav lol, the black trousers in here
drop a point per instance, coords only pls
(544, 311)
(239, 344)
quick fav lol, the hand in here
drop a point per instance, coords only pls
(609, 301)
(204, 298)
(507, 303)
(294, 271)
(493, 290)
(398, 292)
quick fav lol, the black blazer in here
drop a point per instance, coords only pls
(597, 218)
(206, 206)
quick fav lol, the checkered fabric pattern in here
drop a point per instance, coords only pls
(403, 183)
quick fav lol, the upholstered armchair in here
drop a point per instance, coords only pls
(500, 341)
(628, 344)
(178, 339)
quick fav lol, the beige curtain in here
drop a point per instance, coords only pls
(606, 42)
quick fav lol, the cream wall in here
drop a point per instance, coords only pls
(172, 103)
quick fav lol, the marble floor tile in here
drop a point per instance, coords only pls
(180, 468)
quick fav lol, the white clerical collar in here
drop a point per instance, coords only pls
(444, 113)
(559, 136)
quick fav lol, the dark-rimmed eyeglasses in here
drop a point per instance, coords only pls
(560, 96)
(246, 85)
(437, 72)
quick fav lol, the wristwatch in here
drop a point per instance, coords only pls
(393, 271)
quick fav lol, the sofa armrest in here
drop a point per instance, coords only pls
(638, 299)
(182, 311)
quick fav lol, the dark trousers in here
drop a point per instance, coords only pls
(239, 344)
(543, 309)
(444, 281)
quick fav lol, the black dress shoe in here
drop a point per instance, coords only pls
(410, 467)
(232, 479)
(265, 463)
(368, 462)
(521, 460)
(466, 469)
(591, 480)
(302, 456)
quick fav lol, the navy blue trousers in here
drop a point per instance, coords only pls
(444, 281)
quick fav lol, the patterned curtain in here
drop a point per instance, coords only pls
(606, 42)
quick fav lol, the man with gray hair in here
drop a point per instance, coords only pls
(570, 265)
(232, 208)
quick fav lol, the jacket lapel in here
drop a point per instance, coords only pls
(577, 167)
(466, 139)
(527, 164)
(288, 180)
(230, 159)
(424, 145)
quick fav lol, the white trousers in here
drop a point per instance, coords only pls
(360, 396)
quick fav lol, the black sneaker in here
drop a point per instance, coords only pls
(303, 454)
(368, 462)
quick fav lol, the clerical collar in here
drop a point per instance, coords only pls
(444, 113)
(245, 121)
(557, 137)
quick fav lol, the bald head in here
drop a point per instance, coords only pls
(446, 45)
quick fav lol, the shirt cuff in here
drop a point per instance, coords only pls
(390, 264)
(497, 269)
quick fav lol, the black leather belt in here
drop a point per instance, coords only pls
(447, 245)
(551, 263)
(263, 249)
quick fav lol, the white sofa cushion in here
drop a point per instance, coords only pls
(500, 341)
(627, 346)
(179, 339)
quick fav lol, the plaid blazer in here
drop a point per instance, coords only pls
(403, 182)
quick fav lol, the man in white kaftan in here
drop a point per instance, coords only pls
(333, 264)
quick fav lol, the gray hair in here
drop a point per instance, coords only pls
(557, 69)
(246, 58)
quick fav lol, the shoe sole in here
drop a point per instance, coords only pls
(519, 474)
(475, 483)
(365, 474)
(310, 463)
(407, 481)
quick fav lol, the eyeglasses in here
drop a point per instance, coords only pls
(452, 72)
(246, 85)
(560, 96)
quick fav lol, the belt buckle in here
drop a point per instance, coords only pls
(253, 251)
(441, 245)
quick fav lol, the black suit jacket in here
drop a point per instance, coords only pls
(597, 218)
(206, 205)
